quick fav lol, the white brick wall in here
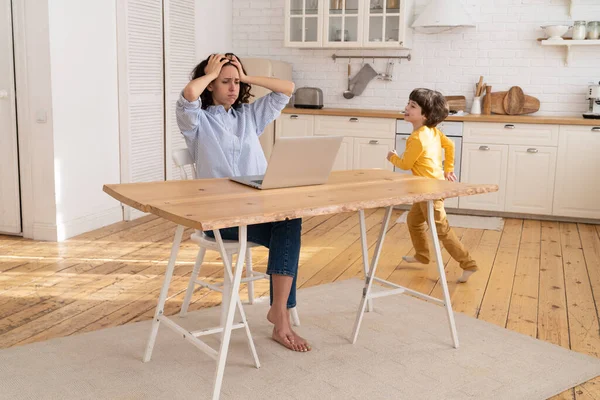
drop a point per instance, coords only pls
(503, 48)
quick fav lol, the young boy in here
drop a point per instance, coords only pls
(423, 156)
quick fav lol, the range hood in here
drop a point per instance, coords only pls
(443, 15)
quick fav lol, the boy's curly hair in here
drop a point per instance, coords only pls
(433, 104)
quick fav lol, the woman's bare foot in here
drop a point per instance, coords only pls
(283, 333)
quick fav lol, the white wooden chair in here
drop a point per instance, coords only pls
(182, 158)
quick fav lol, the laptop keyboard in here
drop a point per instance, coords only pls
(258, 181)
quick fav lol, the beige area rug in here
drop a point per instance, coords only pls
(403, 352)
(467, 221)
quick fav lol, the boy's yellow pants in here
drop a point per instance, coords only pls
(417, 226)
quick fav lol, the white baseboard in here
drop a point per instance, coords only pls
(131, 213)
(46, 232)
(10, 230)
(68, 229)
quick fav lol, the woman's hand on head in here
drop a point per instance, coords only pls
(237, 64)
(215, 63)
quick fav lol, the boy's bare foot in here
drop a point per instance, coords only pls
(283, 333)
(410, 259)
(465, 275)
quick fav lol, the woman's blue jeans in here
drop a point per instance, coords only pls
(282, 238)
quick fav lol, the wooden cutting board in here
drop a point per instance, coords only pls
(514, 101)
(456, 103)
(530, 105)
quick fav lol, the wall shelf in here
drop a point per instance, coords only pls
(568, 43)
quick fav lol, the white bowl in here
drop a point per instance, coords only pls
(555, 32)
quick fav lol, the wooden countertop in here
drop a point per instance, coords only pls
(523, 119)
(209, 204)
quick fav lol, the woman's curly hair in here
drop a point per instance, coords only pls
(206, 96)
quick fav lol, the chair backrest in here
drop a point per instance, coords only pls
(181, 158)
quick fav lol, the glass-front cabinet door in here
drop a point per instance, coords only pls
(303, 23)
(385, 23)
(343, 23)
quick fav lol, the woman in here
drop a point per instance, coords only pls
(221, 131)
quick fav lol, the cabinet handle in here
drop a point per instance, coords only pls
(484, 148)
(532, 150)
(404, 138)
(353, 119)
(293, 116)
(373, 141)
(509, 126)
(596, 129)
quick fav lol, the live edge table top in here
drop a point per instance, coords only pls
(209, 204)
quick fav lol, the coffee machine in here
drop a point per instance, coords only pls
(593, 97)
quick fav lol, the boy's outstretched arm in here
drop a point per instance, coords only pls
(448, 146)
(407, 160)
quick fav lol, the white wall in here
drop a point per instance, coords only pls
(213, 27)
(503, 48)
(83, 54)
(34, 100)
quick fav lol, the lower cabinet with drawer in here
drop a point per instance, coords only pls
(530, 179)
(577, 192)
(364, 153)
(294, 125)
(366, 143)
(520, 159)
(484, 163)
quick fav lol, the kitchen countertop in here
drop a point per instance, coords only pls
(523, 119)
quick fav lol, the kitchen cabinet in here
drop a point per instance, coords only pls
(366, 140)
(343, 23)
(372, 153)
(294, 125)
(530, 179)
(519, 158)
(484, 163)
(376, 128)
(303, 23)
(577, 182)
(345, 158)
(348, 23)
(511, 133)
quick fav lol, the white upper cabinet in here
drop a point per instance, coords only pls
(304, 23)
(387, 23)
(343, 23)
(348, 23)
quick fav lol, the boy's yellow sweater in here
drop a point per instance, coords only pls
(423, 154)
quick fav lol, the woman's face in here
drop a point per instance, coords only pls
(226, 88)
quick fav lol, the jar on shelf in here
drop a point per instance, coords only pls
(593, 30)
(579, 30)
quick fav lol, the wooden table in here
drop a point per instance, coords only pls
(212, 204)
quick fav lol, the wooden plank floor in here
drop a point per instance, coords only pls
(538, 278)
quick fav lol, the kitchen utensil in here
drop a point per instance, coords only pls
(456, 103)
(362, 79)
(308, 97)
(555, 32)
(514, 101)
(531, 104)
(487, 101)
(348, 93)
(387, 75)
(479, 87)
(476, 106)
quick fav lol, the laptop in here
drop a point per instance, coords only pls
(297, 161)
